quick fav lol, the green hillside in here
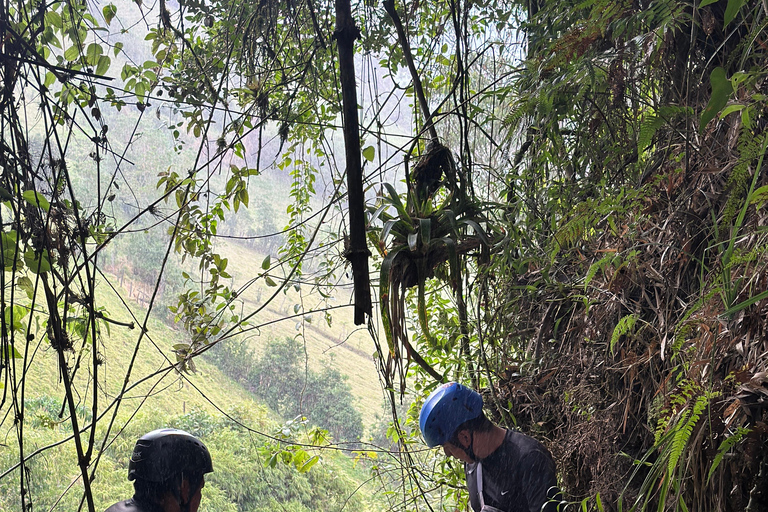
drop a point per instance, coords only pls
(341, 345)
(201, 402)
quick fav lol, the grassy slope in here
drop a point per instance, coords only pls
(117, 347)
(343, 346)
(172, 395)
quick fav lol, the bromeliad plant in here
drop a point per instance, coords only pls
(422, 238)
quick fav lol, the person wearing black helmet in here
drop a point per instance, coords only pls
(168, 468)
(506, 471)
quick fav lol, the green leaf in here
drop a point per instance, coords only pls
(12, 353)
(5, 195)
(759, 196)
(266, 263)
(38, 264)
(103, 65)
(396, 202)
(743, 305)
(369, 153)
(308, 464)
(387, 228)
(109, 11)
(732, 108)
(53, 18)
(705, 3)
(36, 199)
(425, 230)
(721, 92)
(270, 281)
(733, 8)
(92, 54)
(25, 284)
(50, 78)
(9, 240)
(72, 53)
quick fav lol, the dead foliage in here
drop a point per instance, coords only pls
(602, 391)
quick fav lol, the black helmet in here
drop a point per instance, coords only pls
(167, 452)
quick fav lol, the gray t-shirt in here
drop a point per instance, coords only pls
(516, 476)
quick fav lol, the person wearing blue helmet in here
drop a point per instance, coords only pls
(506, 471)
(168, 468)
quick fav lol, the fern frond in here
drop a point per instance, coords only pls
(684, 431)
(726, 446)
(595, 267)
(625, 326)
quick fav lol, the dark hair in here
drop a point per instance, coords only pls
(152, 492)
(478, 424)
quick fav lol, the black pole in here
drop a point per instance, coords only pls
(357, 252)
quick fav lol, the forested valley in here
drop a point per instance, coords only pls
(280, 224)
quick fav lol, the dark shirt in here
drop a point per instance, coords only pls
(134, 506)
(516, 476)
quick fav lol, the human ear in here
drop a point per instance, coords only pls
(464, 438)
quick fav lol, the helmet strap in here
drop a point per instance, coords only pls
(469, 449)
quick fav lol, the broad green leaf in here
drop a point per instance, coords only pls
(36, 199)
(141, 89)
(50, 78)
(92, 54)
(12, 353)
(308, 464)
(369, 153)
(118, 48)
(109, 11)
(705, 3)
(8, 262)
(243, 196)
(270, 281)
(387, 228)
(53, 18)
(721, 92)
(38, 264)
(5, 195)
(72, 53)
(733, 8)
(266, 262)
(26, 284)
(103, 65)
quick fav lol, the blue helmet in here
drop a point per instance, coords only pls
(446, 408)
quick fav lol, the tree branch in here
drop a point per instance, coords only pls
(389, 6)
